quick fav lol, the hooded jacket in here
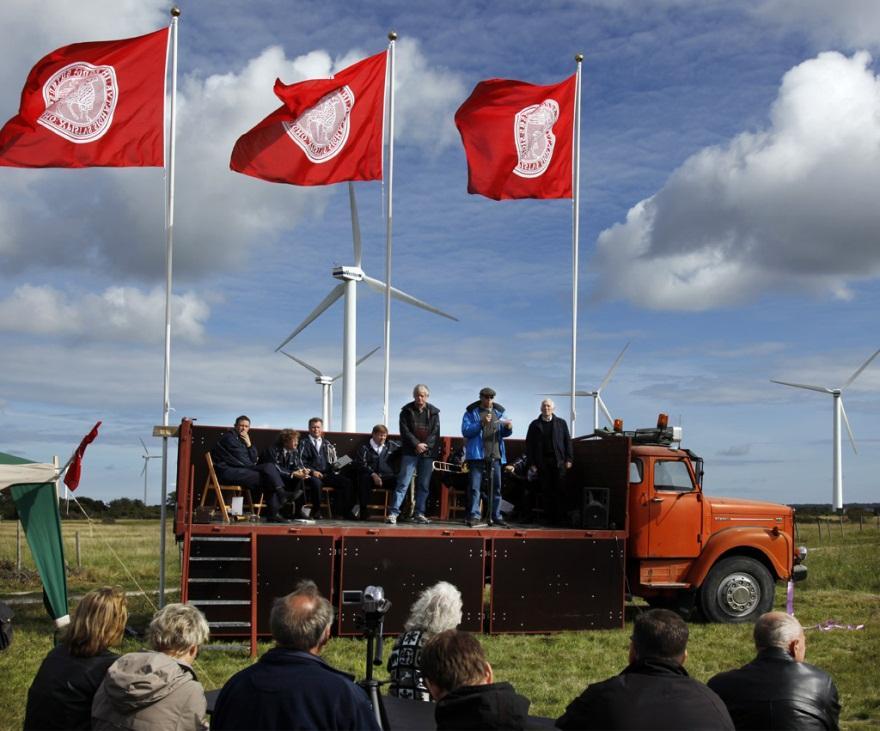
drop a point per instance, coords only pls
(150, 690)
(493, 706)
(472, 431)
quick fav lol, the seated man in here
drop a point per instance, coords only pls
(778, 690)
(373, 465)
(284, 454)
(318, 456)
(461, 681)
(654, 691)
(236, 463)
(291, 687)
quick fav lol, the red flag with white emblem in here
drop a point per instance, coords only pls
(92, 104)
(327, 131)
(518, 138)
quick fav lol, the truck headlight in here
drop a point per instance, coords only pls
(801, 553)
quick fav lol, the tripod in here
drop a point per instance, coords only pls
(372, 629)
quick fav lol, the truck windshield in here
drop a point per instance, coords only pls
(674, 476)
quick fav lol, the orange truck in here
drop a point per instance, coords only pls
(685, 549)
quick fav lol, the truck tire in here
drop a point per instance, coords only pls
(737, 589)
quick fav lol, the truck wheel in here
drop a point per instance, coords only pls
(737, 589)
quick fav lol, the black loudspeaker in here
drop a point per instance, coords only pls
(594, 508)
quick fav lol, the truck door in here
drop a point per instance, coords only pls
(675, 511)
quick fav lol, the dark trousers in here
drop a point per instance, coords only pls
(551, 478)
(261, 480)
(342, 499)
(366, 487)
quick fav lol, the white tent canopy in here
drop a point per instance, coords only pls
(26, 474)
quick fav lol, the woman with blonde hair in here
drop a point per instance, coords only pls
(60, 696)
(438, 608)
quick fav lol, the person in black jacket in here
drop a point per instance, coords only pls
(318, 456)
(654, 691)
(284, 454)
(548, 450)
(374, 466)
(778, 690)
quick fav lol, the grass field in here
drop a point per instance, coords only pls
(843, 585)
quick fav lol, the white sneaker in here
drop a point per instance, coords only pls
(391, 520)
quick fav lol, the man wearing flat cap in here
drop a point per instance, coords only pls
(484, 428)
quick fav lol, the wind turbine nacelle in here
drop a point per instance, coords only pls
(349, 273)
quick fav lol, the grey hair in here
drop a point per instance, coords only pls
(299, 620)
(549, 401)
(421, 387)
(177, 627)
(776, 629)
(437, 609)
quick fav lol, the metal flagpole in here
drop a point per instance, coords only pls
(575, 232)
(392, 37)
(169, 238)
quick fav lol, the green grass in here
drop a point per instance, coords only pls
(843, 585)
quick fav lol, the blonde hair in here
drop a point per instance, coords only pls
(98, 622)
(177, 627)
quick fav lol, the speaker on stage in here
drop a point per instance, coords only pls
(594, 508)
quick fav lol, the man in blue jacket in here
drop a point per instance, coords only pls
(484, 428)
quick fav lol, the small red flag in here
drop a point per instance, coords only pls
(328, 131)
(92, 104)
(517, 138)
(71, 478)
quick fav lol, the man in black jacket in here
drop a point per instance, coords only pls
(654, 691)
(374, 466)
(318, 456)
(548, 448)
(778, 690)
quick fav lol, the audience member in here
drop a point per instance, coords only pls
(236, 463)
(318, 455)
(778, 690)
(485, 427)
(654, 691)
(419, 447)
(437, 609)
(548, 446)
(374, 466)
(157, 689)
(284, 454)
(61, 695)
(461, 680)
(291, 687)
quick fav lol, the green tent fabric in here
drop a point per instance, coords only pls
(37, 506)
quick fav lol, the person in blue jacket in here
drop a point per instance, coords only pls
(484, 428)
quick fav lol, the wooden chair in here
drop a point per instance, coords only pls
(326, 492)
(216, 491)
(382, 503)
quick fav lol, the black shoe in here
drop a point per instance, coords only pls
(297, 494)
(277, 519)
(501, 523)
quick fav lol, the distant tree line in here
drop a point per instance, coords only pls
(117, 509)
(850, 512)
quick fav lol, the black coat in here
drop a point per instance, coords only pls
(561, 442)
(230, 451)
(648, 694)
(775, 692)
(494, 706)
(321, 460)
(368, 461)
(285, 462)
(409, 441)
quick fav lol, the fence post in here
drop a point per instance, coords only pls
(78, 556)
(860, 522)
(841, 524)
(819, 527)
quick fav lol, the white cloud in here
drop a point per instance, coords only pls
(119, 313)
(852, 24)
(792, 207)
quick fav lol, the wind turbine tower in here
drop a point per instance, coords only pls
(146, 457)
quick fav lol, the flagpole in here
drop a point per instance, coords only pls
(169, 239)
(392, 37)
(575, 233)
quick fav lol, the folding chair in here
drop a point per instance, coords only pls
(215, 489)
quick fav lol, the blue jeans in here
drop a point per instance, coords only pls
(476, 468)
(409, 463)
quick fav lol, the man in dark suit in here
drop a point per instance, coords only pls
(318, 456)
(374, 466)
(548, 449)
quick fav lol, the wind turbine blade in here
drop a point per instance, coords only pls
(611, 371)
(820, 389)
(363, 358)
(852, 439)
(144, 469)
(858, 372)
(378, 286)
(304, 364)
(146, 451)
(568, 393)
(605, 410)
(355, 226)
(334, 295)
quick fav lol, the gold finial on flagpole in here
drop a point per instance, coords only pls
(392, 36)
(579, 57)
(175, 11)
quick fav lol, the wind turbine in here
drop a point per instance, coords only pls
(146, 457)
(598, 403)
(326, 383)
(349, 276)
(839, 411)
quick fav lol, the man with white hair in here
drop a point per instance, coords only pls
(548, 450)
(778, 690)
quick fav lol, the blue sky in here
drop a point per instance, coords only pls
(730, 163)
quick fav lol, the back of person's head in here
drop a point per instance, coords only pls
(661, 634)
(438, 608)
(176, 628)
(301, 620)
(452, 659)
(776, 629)
(98, 622)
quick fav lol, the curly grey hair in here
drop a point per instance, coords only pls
(437, 609)
(177, 627)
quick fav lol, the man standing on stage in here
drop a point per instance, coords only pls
(419, 447)
(548, 446)
(484, 428)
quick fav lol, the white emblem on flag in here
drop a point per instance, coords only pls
(533, 131)
(322, 130)
(80, 99)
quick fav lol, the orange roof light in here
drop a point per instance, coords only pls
(662, 421)
(618, 425)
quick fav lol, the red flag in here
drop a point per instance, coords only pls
(518, 138)
(92, 104)
(71, 478)
(328, 131)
